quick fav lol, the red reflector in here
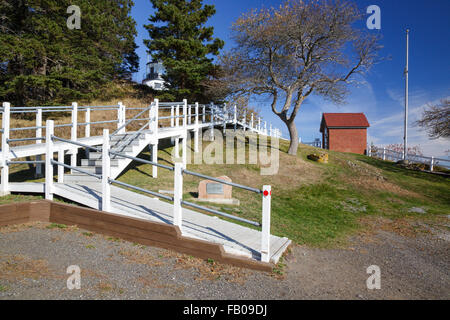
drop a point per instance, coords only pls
(266, 193)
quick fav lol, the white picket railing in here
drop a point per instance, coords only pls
(192, 115)
(179, 170)
(391, 155)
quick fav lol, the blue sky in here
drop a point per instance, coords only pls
(381, 95)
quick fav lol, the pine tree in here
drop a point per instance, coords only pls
(182, 42)
(42, 61)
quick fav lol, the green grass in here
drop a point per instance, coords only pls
(56, 226)
(313, 204)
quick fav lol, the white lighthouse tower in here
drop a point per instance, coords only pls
(153, 75)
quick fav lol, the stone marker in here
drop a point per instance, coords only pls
(212, 191)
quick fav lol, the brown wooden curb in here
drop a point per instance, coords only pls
(127, 228)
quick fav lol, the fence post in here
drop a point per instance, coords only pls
(265, 234)
(197, 129)
(225, 118)
(177, 120)
(270, 130)
(432, 164)
(252, 122)
(190, 114)
(5, 148)
(185, 133)
(178, 195)
(119, 117)
(38, 173)
(106, 173)
(48, 160)
(204, 114)
(172, 114)
(73, 159)
(384, 154)
(61, 168)
(122, 111)
(87, 129)
(155, 117)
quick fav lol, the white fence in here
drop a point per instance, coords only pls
(177, 200)
(391, 155)
(210, 116)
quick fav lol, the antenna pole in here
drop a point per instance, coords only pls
(405, 145)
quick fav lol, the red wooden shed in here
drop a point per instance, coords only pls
(344, 132)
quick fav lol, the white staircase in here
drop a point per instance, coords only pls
(130, 144)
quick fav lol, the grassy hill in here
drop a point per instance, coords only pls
(320, 204)
(312, 203)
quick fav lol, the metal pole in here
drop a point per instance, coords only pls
(405, 145)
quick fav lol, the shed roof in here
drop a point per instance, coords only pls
(344, 120)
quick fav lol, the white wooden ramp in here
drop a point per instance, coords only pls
(236, 239)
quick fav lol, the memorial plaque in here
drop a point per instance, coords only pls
(212, 191)
(214, 188)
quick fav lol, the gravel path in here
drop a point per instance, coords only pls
(34, 259)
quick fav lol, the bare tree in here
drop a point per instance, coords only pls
(298, 49)
(436, 120)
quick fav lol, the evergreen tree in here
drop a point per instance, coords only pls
(182, 42)
(42, 61)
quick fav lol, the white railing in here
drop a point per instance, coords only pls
(391, 155)
(179, 170)
(194, 117)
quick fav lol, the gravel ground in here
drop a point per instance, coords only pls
(34, 259)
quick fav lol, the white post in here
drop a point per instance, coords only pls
(5, 148)
(212, 113)
(197, 129)
(384, 154)
(259, 124)
(61, 168)
(235, 118)
(224, 114)
(189, 114)
(154, 118)
(48, 160)
(106, 173)
(119, 118)
(432, 164)
(270, 130)
(123, 111)
(251, 122)
(39, 135)
(87, 129)
(155, 160)
(73, 159)
(177, 140)
(204, 114)
(172, 114)
(178, 195)
(185, 133)
(265, 234)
